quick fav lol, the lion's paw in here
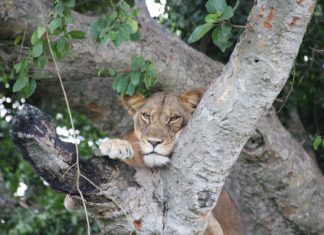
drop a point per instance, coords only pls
(117, 149)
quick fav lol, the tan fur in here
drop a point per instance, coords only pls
(158, 122)
(228, 215)
(158, 119)
(213, 228)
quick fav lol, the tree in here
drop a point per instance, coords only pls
(234, 105)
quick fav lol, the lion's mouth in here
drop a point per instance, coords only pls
(156, 160)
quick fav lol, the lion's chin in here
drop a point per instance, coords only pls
(155, 160)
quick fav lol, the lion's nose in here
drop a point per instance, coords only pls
(154, 143)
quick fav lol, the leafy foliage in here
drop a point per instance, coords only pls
(141, 78)
(317, 142)
(219, 14)
(181, 17)
(118, 26)
(39, 55)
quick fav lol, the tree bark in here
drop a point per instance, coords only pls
(277, 184)
(255, 74)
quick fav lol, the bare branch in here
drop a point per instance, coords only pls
(34, 134)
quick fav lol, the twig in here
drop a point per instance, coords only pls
(247, 26)
(291, 88)
(108, 196)
(65, 172)
(22, 42)
(71, 120)
(317, 50)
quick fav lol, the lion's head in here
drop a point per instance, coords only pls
(158, 121)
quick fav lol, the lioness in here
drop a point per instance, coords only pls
(158, 122)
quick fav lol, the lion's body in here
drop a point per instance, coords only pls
(158, 122)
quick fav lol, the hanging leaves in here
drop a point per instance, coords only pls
(217, 19)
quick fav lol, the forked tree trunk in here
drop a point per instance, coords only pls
(176, 200)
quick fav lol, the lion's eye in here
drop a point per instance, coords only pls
(174, 118)
(146, 116)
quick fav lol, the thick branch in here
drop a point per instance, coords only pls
(123, 200)
(232, 106)
(35, 135)
(277, 185)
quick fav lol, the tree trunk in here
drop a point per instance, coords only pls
(178, 199)
(277, 184)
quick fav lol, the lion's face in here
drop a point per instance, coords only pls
(158, 121)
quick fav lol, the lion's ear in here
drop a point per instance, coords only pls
(133, 103)
(190, 99)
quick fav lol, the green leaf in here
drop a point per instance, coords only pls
(21, 66)
(153, 82)
(34, 38)
(111, 16)
(117, 42)
(17, 67)
(316, 143)
(101, 72)
(135, 12)
(29, 89)
(221, 35)
(63, 47)
(215, 5)
(111, 72)
(124, 6)
(151, 70)
(147, 81)
(199, 32)
(124, 33)
(213, 17)
(68, 19)
(41, 62)
(54, 24)
(59, 9)
(130, 89)
(236, 4)
(123, 84)
(116, 81)
(95, 28)
(76, 34)
(135, 37)
(20, 83)
(138, 62)
(133, 25)
(135, 78)
(55, 51)
(60, 44)
(37, 49)
(17, 40)
(69, 3)
(228, 13)
(40, 31)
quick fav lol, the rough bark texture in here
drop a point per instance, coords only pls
(257, 70)
(277, 184)
(176, 200)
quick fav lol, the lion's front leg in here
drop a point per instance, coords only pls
(117, 149)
